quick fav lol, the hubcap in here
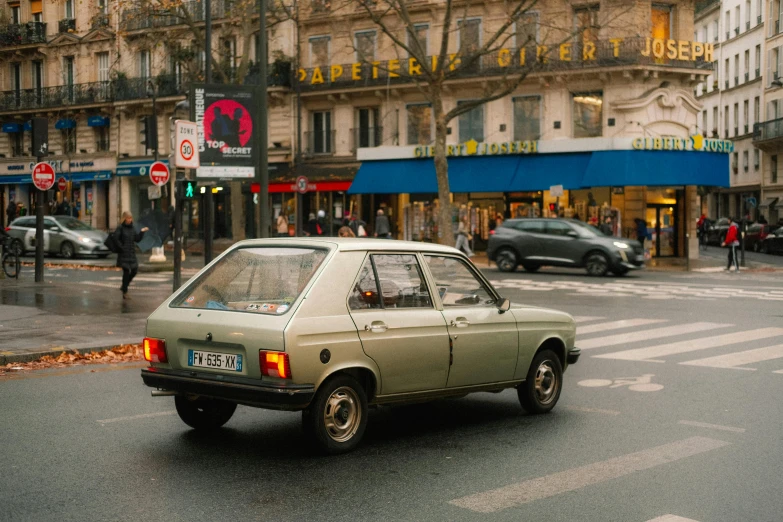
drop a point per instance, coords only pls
(67, 250)
(507, 260)
(342, 414)
(546, 383)
(596, 264)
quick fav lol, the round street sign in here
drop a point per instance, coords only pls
(301, 184)
(43, 176)
(159, 173)
(62, 184)
(186, 148)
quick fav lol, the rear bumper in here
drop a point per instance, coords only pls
(252, 392)
(573, 355)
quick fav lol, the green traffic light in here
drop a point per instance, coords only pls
(189, 190)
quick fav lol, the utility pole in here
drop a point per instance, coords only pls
(40, 143)
(262, 171)
(208, 197)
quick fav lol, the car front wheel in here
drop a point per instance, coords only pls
(337, 417)
(541, 390)
(67, 250)
(202, 413)
(597, 265)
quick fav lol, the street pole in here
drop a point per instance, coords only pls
(39, 233)
(208, 218)
(179, 200)
(263, 167)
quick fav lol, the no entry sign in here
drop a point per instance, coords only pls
(301, 184)
(43, 176)
(62, 184)
(159, 173)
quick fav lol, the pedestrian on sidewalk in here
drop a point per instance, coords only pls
(10, 212)
(641, 230)
(345, 232)
(282, 225)
(464, 237)
(382, 226)
(126, 237)
(732, 242)
(702, 225)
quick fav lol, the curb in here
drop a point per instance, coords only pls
(34, 356)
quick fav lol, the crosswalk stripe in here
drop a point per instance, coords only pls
(658, 333)
(736, 360)
(650, 353)
(616, 325)
(671, 518)
(778, 371)
(585, 318)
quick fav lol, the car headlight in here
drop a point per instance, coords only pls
(85, 240)
(621, 245)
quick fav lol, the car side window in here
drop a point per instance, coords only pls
(557, 228)
(457, 285)
(532, 226)
(401, 281)
(50, 225)
(365, 293)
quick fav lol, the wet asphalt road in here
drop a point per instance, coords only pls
(91, 444)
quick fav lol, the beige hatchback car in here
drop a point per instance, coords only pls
(334, 326)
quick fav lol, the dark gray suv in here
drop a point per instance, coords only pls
(534, 243)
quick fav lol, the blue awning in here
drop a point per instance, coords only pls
(28, 126)
(11, 127)
(97, 121)
(620, 168)
(394, 177)
(65, 124)
(541, 171)
(20, 179)
(96, 175)
(482, 173)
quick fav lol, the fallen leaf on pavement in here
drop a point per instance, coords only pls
(121, 353)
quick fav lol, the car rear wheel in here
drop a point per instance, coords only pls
(337, 417)
(541, 390)
(764, 248)
(597, 265)
(202, 413)
(531, 267)
(756, 246)
(507, 260)
(67, 250)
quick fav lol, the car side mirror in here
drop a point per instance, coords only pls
(572, 233)
(504, 305)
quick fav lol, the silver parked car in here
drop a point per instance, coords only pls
(63, 235)
(332, 327)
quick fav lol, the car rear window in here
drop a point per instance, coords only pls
(261, 280)
(24, 222)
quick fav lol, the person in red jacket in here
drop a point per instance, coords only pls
(732, 242)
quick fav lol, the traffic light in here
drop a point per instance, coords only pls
(40, 136)
(150, 132)
(552, 207)
(189, 189)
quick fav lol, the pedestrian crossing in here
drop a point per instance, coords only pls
(643, 290)
(724, 347)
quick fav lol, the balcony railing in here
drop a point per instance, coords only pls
(366, 137)
(768, 130)
(187, 12)
(320, 142)
(22, 34)
(67, 25)
(629, 52)
(100, 20)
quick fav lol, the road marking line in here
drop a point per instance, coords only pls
(616, 325)
(585, 318)
(135, 417)
(591, 410)
(577, 478)
(736, 360)
(672, 518)
(778, 371)
(644, 335)
(712, 426)
(649, 354)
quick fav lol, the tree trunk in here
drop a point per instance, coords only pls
(445, 233)
(238, 219)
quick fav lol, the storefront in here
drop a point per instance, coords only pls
(623, 179)
(134, 176)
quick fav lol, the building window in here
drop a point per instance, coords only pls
(69, 10)
(420, 33)
(756, 110)
(727, 74)
(16, 17)
(747, 65)
(36, 75)
(319, 50)
(321, 135)
(715, 31)
(471, 124)
(16, 141)
(756, 159)
(736, 119)
(773, 168)
(419, 124)
(103, 67)
(736, 20)
(736, 69)
(758, 61)
(772, 65)
(527, 118)
(527, 29)
(586, 23)
(728, 25)
(470, 42)
(365, 46)
(726, 121)
(772, 110)
(69, 141)
(145, 68)
(101, 139)
(745, 160)
(745, 116)
(588, 114)
(367, 132)
(103, 6)
(735, 162)
(662, 20)
(704, 125)
(715, 122)
(228, 56)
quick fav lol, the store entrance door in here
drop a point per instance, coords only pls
(662, 224)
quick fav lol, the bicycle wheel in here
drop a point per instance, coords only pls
(11, 265)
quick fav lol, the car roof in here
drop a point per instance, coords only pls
(354, 244)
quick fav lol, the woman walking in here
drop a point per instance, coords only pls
(126, 238)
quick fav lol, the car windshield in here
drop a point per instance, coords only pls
(73, 224)
(587, 229)
(263, 280)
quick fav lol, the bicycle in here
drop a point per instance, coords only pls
(10, 259)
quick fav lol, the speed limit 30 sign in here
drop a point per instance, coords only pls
(186, 151)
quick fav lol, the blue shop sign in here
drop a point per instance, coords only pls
(136, 167)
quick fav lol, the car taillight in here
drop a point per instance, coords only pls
(274, 364)
(491, 232)
(155, 350)
(7, 229)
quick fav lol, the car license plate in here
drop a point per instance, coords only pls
(217, 361)
(640, 257)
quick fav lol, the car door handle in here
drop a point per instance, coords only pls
(376, 327)
(460, 322)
